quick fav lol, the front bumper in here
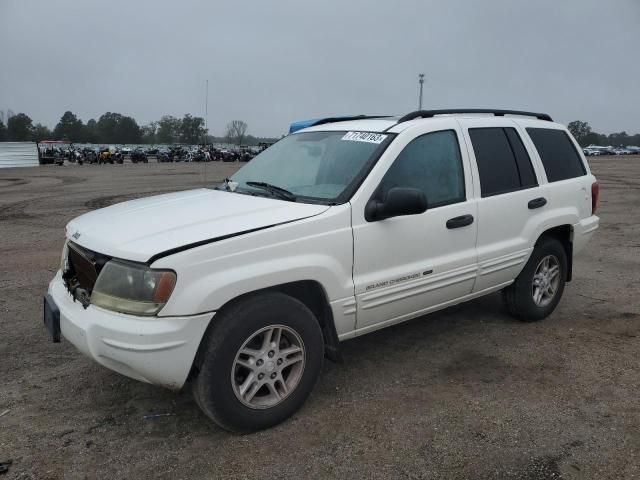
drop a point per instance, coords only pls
(158, 350)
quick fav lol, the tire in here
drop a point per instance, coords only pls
(223, 371)
(519, 296)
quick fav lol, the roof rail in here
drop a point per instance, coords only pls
(299, 125)
(497, 113)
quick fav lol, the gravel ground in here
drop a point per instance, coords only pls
(463, 393)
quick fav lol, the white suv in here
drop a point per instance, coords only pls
(339, 229)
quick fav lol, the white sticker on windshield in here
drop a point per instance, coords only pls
(364, 137)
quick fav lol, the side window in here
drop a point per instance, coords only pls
(558, 154)
(431, 163)
(503, 162)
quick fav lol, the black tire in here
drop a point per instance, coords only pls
(212, 387)
(518, 297)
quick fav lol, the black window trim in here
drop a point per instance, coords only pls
(503, 192)
(464, 198)
(535, 176)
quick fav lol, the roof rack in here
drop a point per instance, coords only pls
(497, 113)
(299, 125)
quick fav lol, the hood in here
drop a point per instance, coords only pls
(140, 229)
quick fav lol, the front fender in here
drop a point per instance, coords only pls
(319, 248)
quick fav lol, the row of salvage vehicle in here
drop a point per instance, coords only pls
(112, 155)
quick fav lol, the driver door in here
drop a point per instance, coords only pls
(408, 265)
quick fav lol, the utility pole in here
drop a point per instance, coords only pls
(421, 82)
(206, 113)
(206, 123)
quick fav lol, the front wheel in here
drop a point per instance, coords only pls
(536, 292)
(258, 362)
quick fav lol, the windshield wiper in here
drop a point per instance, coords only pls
(274, 189)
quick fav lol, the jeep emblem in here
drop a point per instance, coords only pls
(76, 235)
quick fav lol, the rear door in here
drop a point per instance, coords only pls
(567, 175)
(510, 200)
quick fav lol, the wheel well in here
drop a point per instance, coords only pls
(564, 234)
(313, 296)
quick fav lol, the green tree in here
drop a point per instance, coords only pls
(117, 128)
(580, 130)
(168, 129)
(149, 132)
(236, 130)
(3, 132)
(19, 128)
(127, 131)
(69, 127)
(41, 132)
(90, 134)
(106, 127)
(617, 139)
(192, 129)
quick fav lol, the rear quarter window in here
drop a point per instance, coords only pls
(558, 154)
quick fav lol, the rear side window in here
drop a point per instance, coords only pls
(558, 154)
(503, 162)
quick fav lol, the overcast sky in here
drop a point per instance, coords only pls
(273, 62)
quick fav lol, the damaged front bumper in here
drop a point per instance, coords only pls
(158, 350)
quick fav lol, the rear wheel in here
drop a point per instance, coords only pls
(258, 362)
(536, 292)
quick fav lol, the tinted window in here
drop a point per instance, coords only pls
(523, 162)
(558, 154)
(496, 162)
(432, 164)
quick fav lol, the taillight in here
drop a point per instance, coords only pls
(595, 196)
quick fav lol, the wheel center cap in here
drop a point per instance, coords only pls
(270, 366)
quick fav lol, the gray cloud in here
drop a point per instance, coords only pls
(271, 62)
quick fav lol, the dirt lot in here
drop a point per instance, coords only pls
(464, 393)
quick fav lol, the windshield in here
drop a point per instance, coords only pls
(313, 166)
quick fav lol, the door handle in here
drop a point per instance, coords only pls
(537, 203)
(461, 221)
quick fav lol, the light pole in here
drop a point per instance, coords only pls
(206, 123)
(206, 112)
(421, 82)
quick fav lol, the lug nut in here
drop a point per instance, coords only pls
(259, 362)
(279, 362)
(271, 353)
(273, 375)
(260, 376)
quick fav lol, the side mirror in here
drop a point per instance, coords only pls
(399, 201)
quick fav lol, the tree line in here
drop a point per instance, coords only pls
(585, 136)
(115, 128)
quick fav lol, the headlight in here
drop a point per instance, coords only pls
(132, 288)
